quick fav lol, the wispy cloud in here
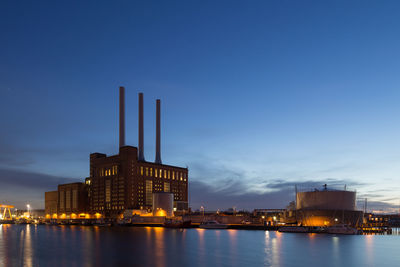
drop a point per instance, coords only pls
(216, 186)
(21, 187)
(235, 194)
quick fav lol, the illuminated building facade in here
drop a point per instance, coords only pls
(70, 201)
(127, 180)
(327, 207)
(123, 181)
(51, 203)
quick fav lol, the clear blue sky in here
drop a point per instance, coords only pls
(256, 95)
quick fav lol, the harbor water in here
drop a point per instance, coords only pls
(43, 245)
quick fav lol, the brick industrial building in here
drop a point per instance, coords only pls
(120, 182)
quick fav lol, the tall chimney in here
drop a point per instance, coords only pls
(121, 116)
(158, 132)
(141, 152)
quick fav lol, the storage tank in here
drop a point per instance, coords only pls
(326, 200)
(163, 204)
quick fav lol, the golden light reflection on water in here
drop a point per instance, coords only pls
(217, 234)
(369, 245)
(272, 242)
(312, 236)
(336, 248)
(233, 245)
(2, 256)
(201, 251)
(27, 257)
(87, 241)
(200, 233)
(159, 246)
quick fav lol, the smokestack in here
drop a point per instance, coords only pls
(121, 116)
(141, 152)
(158, 132)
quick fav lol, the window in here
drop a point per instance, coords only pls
(155, 172)
(68, 199)
(75, 199)
(165, 174)
(114, 170)
(173, 175)
(151, 171)
(169, 174)
(166, 187)
(108, 190)
(147, 171)
(149, 192)
(141, 170)
(62, 200)
(160, 173)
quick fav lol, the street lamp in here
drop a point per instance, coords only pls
(28, 207)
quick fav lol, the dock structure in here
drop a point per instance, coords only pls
(6, 211)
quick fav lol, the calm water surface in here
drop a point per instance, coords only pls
(29, 245)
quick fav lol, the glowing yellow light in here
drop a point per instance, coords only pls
(97, 215)
(161, 212)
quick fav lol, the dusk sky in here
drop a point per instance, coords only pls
(256, 96)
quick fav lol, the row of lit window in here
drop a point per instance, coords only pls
(109, 171)
(160, 173)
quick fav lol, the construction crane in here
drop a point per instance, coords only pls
(6, 211)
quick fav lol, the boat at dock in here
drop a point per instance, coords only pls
(7, 221)
(101, 223)
(342, 229)
(294, 229)
(317, 229)
(213, 225)
(170, 223)
(23, 221)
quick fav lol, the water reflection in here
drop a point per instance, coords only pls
(2, 256)
(28, 245)
(369, 247)
(28, 250)
(200, 248)
(159, 246)
(272, 248)
(335, 247)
